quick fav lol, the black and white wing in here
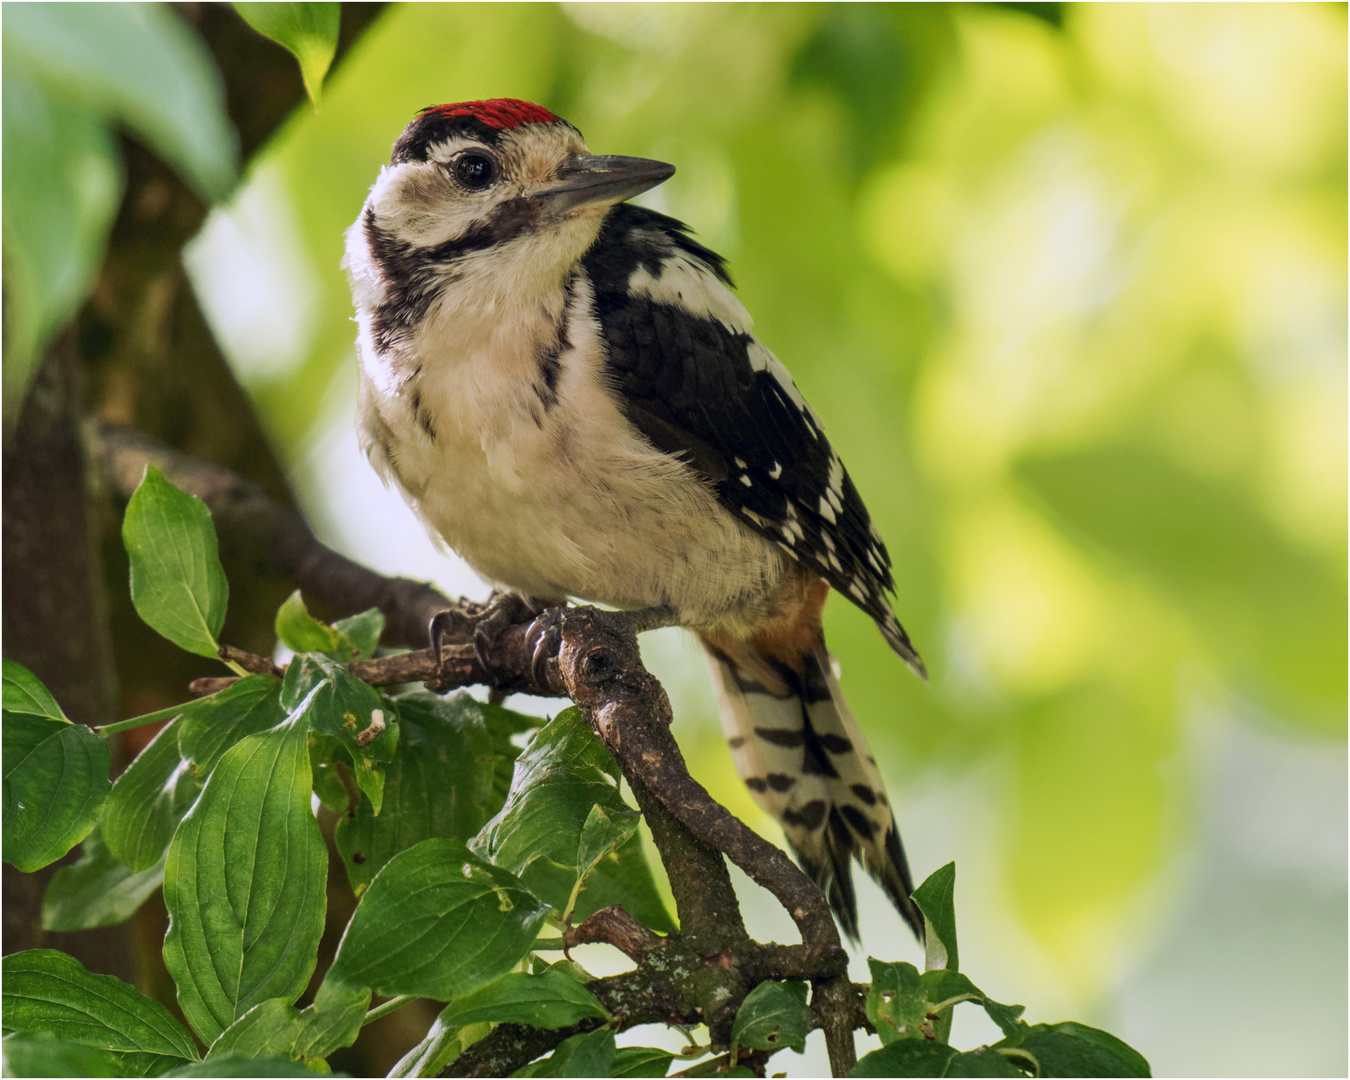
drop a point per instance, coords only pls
(696, 382)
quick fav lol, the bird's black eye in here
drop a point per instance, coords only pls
(475, 169)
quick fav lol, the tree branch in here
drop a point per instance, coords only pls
(275, 538)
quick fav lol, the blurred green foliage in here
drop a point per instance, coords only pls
(73, 73)
(1066, 283)
(1067, 287)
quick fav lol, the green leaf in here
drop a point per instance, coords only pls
(437, 922)
(210, 727)
(302, 632)
(564, 773)
(1071, 1049)
(177, 582)
(148, 801)
(443, 1043)
(896, 1002)
(935, 898)
(24, 694)
(625, 877)
(504, 726)
(362, 631)
(641, 1061)
(942, 986)
(48, 991)
(590, 1054)
(550, 999)
(97, 890)
(55, 779)
(308, 30)
(603, 833)
(34, 1054)
(439, 783)
(268, 1030)
(350, 712)
(61, 191)
(275, 1028)
(139, 64)
(247, 1068)
(906, 1057)
(334, 1018)
(244, 882)
(773, 1015)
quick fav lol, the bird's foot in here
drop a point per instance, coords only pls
(545, 634)
(502, 611)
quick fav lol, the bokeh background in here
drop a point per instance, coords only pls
(1067, 285)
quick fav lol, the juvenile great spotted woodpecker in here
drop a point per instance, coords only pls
(566, 390)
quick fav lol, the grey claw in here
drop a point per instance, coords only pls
(441, 624)
(545, 633)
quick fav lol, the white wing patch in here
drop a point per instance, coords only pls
(687, 284)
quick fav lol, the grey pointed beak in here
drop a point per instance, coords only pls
(602, 180)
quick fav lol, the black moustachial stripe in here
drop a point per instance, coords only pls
(413, 275)
(688, 383)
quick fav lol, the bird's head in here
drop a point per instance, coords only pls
(484, 191)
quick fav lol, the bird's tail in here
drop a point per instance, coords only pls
(800, 751)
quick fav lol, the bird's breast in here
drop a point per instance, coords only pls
(509, 442)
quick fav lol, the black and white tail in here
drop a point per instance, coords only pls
(799, 749)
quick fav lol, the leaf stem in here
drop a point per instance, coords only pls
(390, 1006)
(148, 718)
(935, 1009)
(237, 668)
(1017, 1052)
(550, 944)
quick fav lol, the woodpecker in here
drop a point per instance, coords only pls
(567, 392)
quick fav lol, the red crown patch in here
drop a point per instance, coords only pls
(496, 113)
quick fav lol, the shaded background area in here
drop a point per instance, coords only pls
(1067, 285)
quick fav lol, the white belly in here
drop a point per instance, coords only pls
(563, 500)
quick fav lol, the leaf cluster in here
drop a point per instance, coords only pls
(462, 847)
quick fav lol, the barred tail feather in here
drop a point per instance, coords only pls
(803, 756)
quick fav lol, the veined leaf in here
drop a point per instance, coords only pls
(439, 783)
(773, 1015)
(935, 898)
(97, 890)
(302, 632)
(362, 631)
(148, 800)
(896, 1004)
(563, 774)
(177, 582)
(210, 727)
(551, 999)
(590, 1054)
(49, 991)
(30, 1053)
(437, 922)
(349, 711)
(275, 1028)
(1077, 1050)
(55, 775)
(244, 882)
